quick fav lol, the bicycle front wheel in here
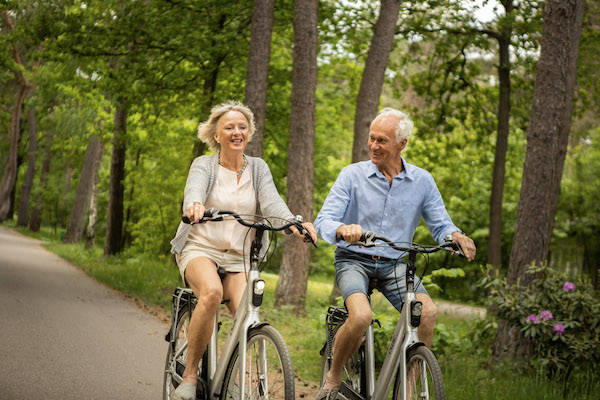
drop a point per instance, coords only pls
(269, 373)
(424, 377)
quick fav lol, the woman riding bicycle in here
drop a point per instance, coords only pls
(227, 179)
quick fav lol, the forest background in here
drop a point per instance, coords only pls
(100, 102)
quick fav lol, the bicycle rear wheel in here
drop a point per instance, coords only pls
(176, 356)
(269, 372)
(354, 373)
(424, 377)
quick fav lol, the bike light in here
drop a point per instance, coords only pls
(416, 308)
(257, 292)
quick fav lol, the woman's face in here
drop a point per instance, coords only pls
(232, 132)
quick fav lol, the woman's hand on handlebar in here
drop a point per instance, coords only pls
(195, 212)
(308, 226)
(350, 233)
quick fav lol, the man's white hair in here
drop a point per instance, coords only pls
(405, 124)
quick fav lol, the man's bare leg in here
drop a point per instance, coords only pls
(348, 336)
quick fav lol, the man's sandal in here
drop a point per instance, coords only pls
(327, 394)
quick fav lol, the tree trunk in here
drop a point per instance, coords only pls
(373, 76)
(23, 218)
(76, 223)
(291, 288)
(126, 232)
(114, 226)
(10, 170)
(36, 216)
(547, 140)
(90, 232)
(495, 235)
(257, 74)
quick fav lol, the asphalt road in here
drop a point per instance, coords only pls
(65, 336)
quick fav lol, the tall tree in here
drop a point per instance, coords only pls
(35, 221)
(291, 287)
(114, 225)
(257, 74)
(503, 36)
(373, 76)
(547, 140)
(23, 86)
(23, 217)
(87, 176)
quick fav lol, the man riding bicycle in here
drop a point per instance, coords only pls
(388, 196)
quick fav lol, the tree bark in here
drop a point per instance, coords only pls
(495, 235)
(291, 288)
(90, 231)
(547, 140)
(36, 216)
(114, 227)
(126, 233)
(373, 76)
(78, 214)
(23, 217)
(257, 74)
(10, 170)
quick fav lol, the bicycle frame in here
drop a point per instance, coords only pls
(246, 317)
(404, 338)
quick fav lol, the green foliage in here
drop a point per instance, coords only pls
(561, 320)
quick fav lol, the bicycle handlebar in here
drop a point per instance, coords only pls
(368, 239)
(212, 214)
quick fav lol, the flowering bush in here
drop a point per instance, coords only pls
(560, 318)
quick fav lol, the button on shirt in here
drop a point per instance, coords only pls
(362, 195)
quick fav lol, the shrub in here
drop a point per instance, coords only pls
(560, 317)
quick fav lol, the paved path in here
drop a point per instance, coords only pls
(65, 336)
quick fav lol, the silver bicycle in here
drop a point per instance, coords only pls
(254, 362)
(409, 364)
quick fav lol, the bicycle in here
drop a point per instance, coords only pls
(406, 355)
(255, 362)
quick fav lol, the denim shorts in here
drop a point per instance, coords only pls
(353, 271)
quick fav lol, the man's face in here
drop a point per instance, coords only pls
(383, 148)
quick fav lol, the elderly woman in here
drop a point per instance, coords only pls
(227, 180)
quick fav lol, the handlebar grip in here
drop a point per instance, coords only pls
(207, 214)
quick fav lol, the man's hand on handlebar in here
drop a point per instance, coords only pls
(310, 229)
(466, 244)
(350, 233)
(195, 212)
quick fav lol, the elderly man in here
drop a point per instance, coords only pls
(388, 196)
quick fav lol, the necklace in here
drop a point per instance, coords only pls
(241, 171)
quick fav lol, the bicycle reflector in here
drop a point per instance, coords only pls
(416, 307)
(257, 292)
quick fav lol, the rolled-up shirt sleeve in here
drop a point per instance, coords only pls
(333, 210)
(435, 215)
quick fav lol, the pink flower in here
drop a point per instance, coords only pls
(559, 329)
(533, 318)
(569, 287)
(546, 315)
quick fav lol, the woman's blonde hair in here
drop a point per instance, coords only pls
(208, 128)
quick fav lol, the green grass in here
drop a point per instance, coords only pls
(466, 374)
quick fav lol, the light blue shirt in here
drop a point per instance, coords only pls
(362, 195)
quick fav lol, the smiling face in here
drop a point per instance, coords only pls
(232, 132)
(383, 149)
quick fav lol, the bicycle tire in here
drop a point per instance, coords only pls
(169, 383)
(278, 383)
(176, 366)
(354, 374)
(432, 387)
